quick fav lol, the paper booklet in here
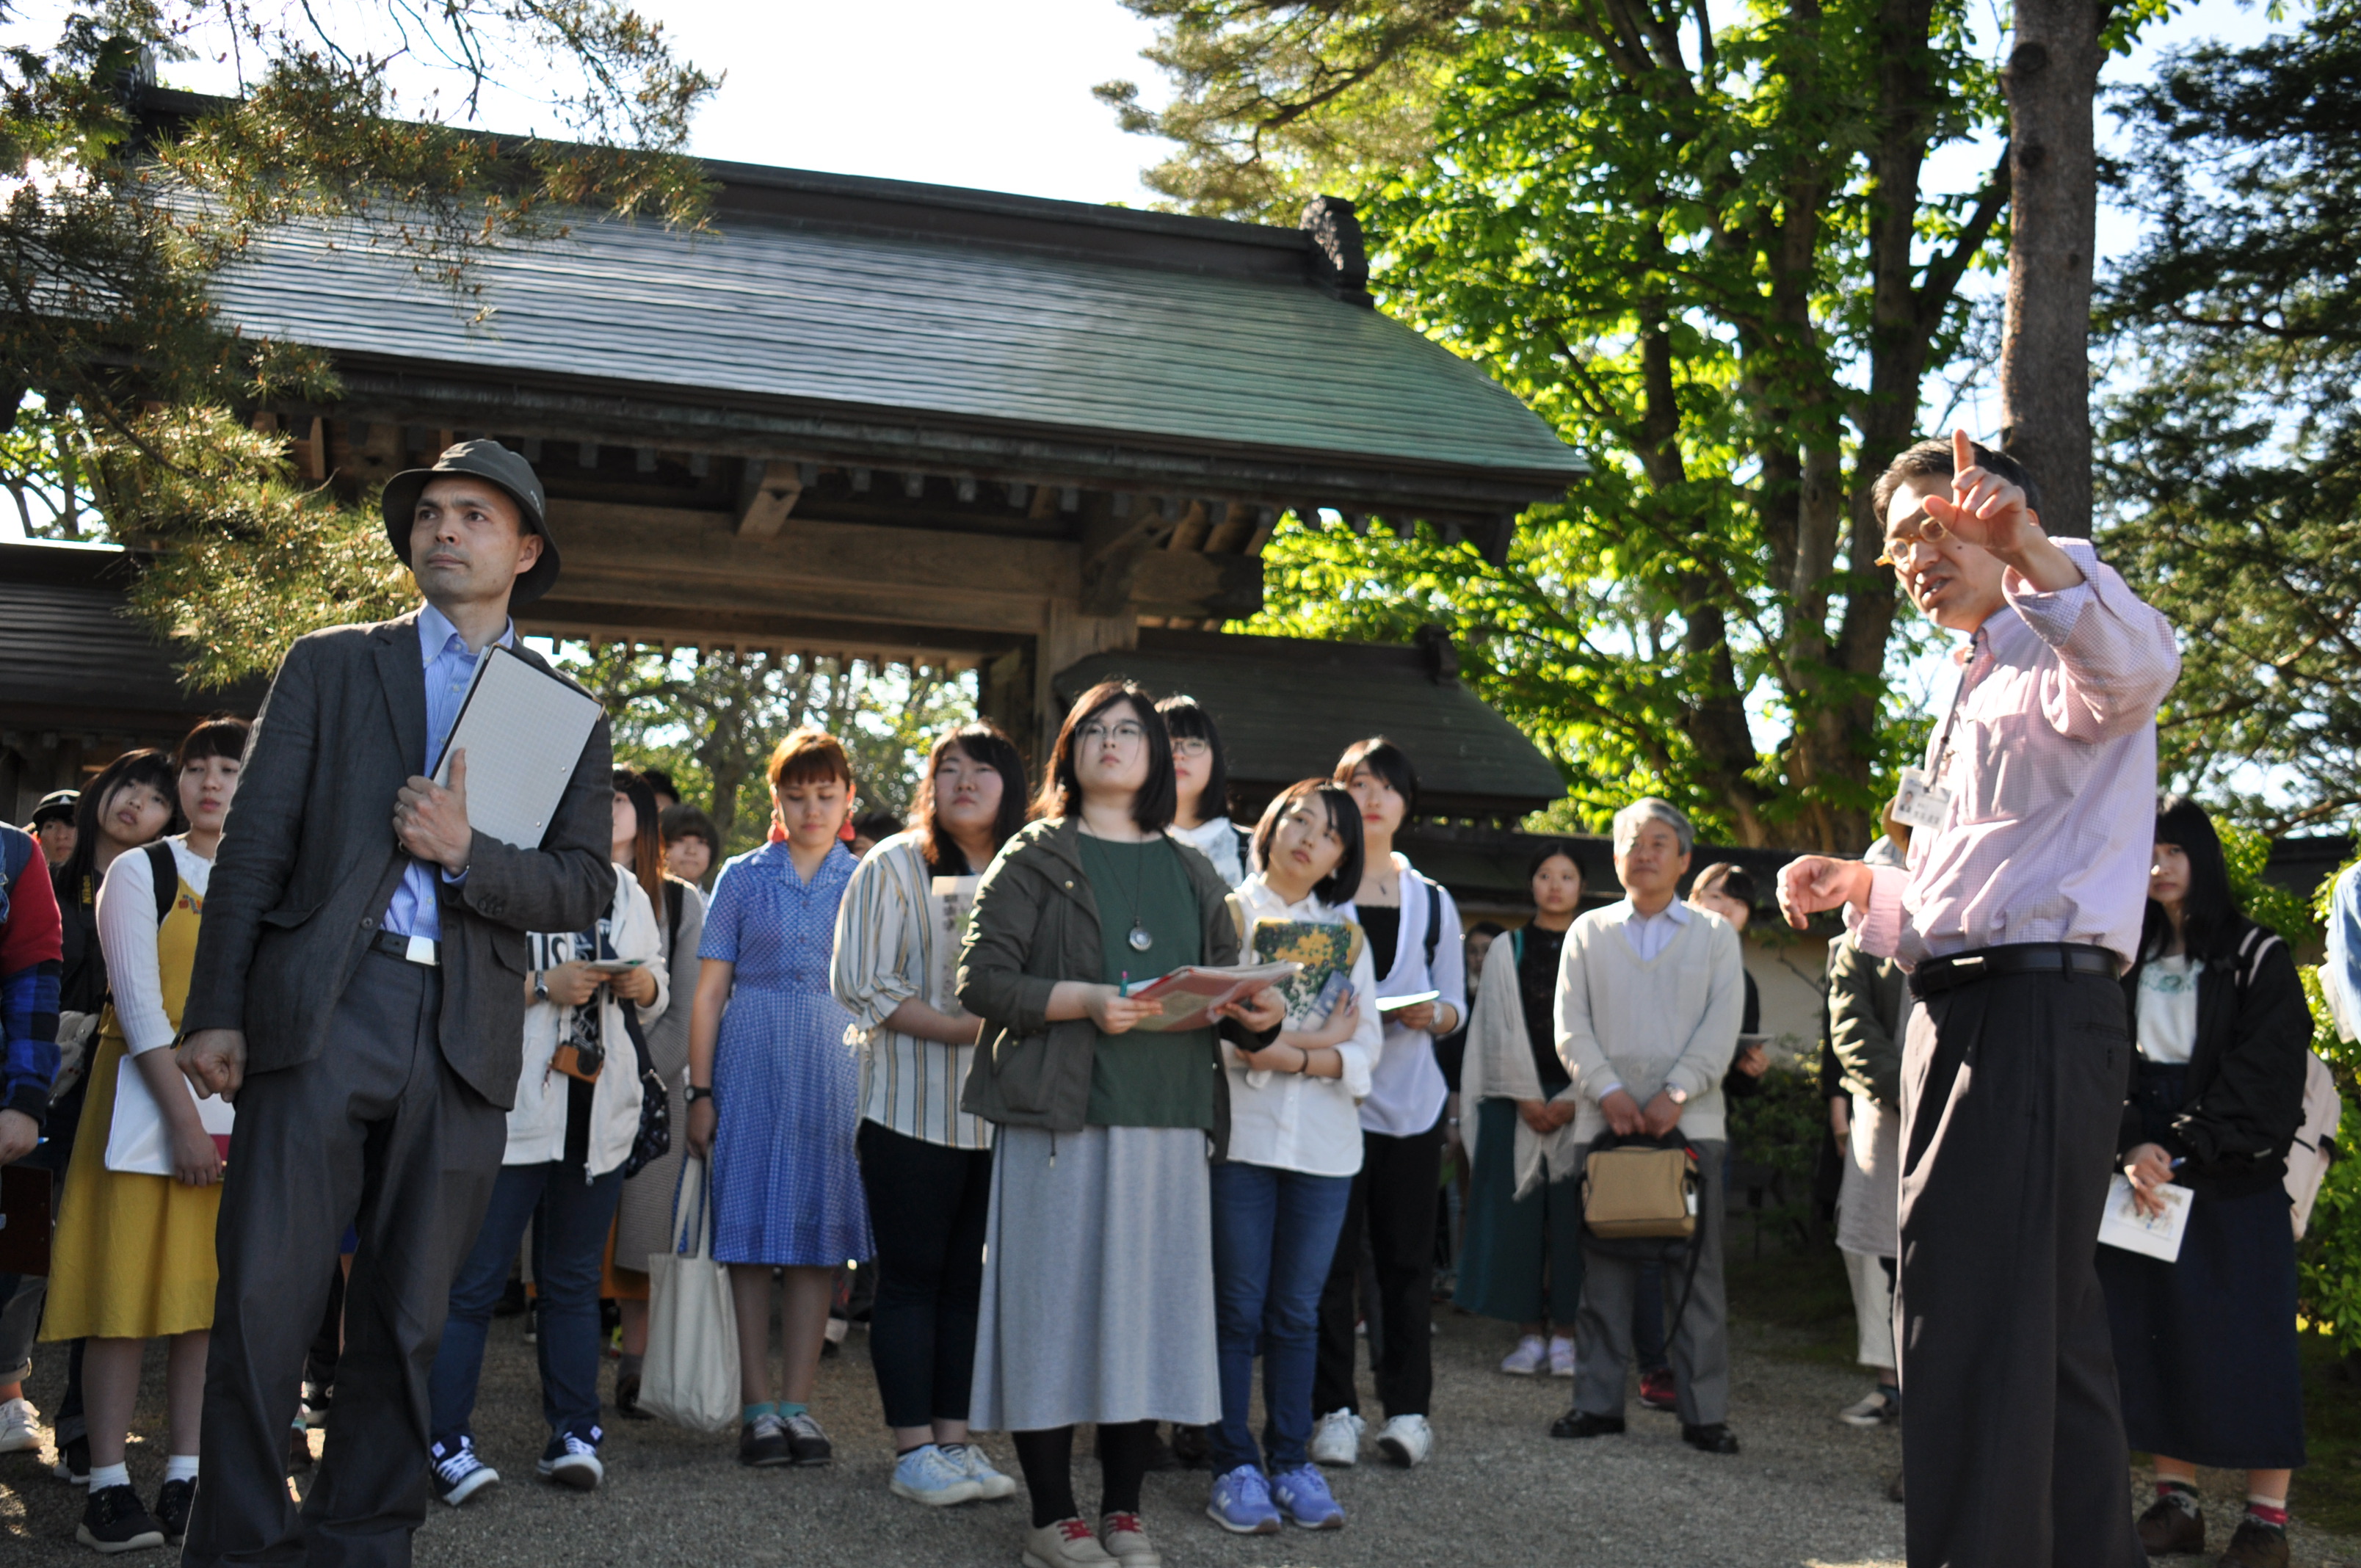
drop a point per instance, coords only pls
(1189, 993)
(522, 729)
(1326, 948)
(136, 1140)
(949, 900)
(2124, 1225)
(1396, 1004)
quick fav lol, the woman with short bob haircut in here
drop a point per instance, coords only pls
(1295, 1144)
(774, 1097)
(2205, 1346)
(1201, 808)
(926, 1164)
(1097, 1302)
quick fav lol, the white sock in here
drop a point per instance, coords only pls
(101, 1476)
(181, 1467)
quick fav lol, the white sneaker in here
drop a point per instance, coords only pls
(991, 1482)
(1530, 1357)
(19, 1427)
(1337, 1438)
(1406, 1439)
(1560, 1356)
(927, 1474)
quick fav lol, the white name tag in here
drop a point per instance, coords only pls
(1921, 802)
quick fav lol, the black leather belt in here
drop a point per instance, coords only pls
(1935, 976)
(412, 950)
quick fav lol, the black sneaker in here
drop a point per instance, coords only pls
(764, 1441)
(73, 1463)
(172, 1505)
(572, 1460)
(317, 1397)
(115, 1520)
(456, 1474)
(808, 1442)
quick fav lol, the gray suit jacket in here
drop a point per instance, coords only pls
(309, 859)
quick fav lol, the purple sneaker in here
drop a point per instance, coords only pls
(1241, 1503)
(1302, 1494)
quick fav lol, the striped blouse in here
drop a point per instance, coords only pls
(887, 947)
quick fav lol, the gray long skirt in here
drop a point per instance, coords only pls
(1098, 1282)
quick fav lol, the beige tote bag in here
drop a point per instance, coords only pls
(690, 1377)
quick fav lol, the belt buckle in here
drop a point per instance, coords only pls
(421, 950)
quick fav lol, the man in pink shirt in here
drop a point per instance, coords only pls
(2026, 882)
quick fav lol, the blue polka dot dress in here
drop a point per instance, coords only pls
(787, 1190)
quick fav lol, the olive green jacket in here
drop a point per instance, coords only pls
(1036, 923)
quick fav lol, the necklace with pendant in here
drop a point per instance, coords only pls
(1140, 938)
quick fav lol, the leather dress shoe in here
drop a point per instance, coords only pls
(1582, 1423)
(2255, 1545)
(1711, 1438)
(2168, 1527)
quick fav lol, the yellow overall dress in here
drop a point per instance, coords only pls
(134, 1254)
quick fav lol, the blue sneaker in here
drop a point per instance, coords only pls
(1303, 1495)
(1241, 1503)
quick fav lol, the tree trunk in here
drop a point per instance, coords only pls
(2051, 78)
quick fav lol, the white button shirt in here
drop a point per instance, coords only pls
(1286, 1120)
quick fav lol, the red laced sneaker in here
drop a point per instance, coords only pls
(1125, 1541)
(1656, 1389)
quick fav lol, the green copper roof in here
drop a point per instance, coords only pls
(934, 325)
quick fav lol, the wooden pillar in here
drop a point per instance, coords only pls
(1071, 635)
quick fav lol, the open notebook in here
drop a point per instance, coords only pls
(522, 729)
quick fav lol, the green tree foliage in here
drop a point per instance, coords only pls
(710, 718)
(114, 220)
(2233, 460)
(1707, 258)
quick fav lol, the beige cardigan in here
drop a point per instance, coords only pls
(1670, 1021)
(1499, 1066)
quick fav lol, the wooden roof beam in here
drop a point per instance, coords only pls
(766, 493)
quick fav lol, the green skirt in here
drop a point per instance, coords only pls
(1519, 1259)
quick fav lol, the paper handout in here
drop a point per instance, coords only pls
(522, 729)
(2124, 1225)
(138, 1141)
(1187, 995)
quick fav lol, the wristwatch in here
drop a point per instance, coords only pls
(697, 1093)
(541, 985)
(1677, 1096)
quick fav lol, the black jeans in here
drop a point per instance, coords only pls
(1393, 1203)
(928, 1205)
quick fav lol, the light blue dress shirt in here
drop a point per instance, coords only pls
(414, 911)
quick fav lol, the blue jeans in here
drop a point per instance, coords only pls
(569, 1248)
(1274, 1237)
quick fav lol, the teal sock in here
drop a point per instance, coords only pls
(751, 1413)
(788, 1408)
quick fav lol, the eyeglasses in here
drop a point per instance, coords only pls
(1123, 734)
(1192, 747)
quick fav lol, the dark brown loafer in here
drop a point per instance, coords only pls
(1711, 1438)
(2167, 1528)
(1582, 1423)
(2257, 1545)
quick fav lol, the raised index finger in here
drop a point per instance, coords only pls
(1963, 451)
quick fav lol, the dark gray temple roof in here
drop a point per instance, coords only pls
(823, 291)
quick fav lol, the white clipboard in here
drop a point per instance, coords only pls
(522, 729)
(137, 1142)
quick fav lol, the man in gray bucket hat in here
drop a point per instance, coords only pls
(360, 992)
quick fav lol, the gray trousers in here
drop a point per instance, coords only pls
(1699, 1347)
(2012, 1443)
(378, 1132)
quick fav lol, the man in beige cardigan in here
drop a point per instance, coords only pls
(1650, 993)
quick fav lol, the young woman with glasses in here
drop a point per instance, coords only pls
(1200, 780)
(1098, 1305)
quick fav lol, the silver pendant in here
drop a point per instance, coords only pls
(1140, 940)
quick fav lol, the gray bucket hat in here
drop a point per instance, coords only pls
(486, 460)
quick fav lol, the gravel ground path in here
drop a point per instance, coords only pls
(1806, 1493)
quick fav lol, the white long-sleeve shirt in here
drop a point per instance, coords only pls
(127, 934)
(1286, 1120)
(1407, 1091)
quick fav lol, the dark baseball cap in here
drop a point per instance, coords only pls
(484, 460)
(57, 806)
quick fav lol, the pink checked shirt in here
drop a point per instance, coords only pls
(2051, 767)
